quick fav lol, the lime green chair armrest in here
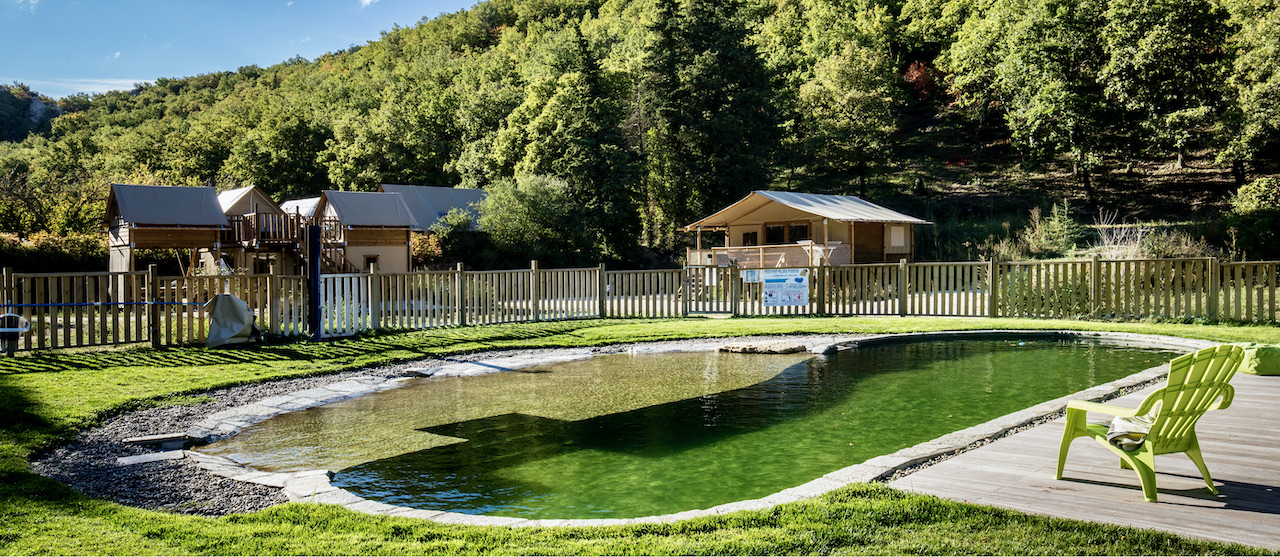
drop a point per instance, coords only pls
(1100, 408)
(1142, 410)
(1228, 395)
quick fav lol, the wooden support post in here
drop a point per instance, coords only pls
(993, 288)
(153, 306)
(1214, 286)
(902, 287)
(1095, 286)
(535, 292)
(460, 295)
(604, 292)
(375, 297)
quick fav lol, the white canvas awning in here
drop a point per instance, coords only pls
(166, 206)
(242, 201)
(429, 203)
(845, 208)
(305, 207)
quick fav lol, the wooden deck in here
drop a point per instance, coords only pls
(1241, 446)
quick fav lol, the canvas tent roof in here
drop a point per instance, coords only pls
(229, 200)
(361, 208)
(429, 203)
(166, 205)
(305, 207)
(835, 207)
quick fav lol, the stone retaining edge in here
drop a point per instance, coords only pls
(313, 486)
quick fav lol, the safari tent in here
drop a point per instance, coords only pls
(781, 229)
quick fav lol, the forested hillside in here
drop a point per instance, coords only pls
(600, 126)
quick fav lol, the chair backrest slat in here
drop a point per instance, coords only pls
(1195, 382)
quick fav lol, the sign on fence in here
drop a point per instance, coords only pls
(785, 287)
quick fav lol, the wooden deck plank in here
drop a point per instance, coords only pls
(1239, 444)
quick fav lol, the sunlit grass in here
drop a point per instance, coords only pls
(48, 396)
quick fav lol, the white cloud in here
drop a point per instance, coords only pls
(365, 3)
(117, 56)
(32, 4)
(287, 4)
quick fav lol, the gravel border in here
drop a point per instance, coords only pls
(191, 483)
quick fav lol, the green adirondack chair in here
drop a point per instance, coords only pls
(1197, 383)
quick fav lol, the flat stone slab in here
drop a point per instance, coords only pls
(149, 457)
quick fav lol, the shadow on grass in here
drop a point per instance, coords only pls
(406, 343)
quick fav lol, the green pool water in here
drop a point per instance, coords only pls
(636, 435)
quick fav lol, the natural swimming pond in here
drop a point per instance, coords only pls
(635, 435)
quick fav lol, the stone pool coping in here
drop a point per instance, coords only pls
(313, 486)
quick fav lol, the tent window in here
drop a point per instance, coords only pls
(897, 236)
(775, 234)
(750, 238)
(797, 232)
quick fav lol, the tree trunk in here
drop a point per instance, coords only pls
(1237, 172)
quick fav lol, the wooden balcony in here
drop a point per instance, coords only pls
(782, 255)
(267, 231)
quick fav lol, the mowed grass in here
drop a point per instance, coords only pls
(48, 396)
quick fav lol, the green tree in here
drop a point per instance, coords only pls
(1166, 63)
(578, 138)
(1253, 122)
(707, 114)
(536, 217)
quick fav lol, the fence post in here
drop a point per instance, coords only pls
(684, 291)
(604, 292)
(6, 289)
(153, 308)
(993, 288)
(735, 288)
(535, 292)
(315, 250)
(1095, 290)
(6, 298)
(1214, 286)
(822, 287)
(375, 297)
(274, 300)
(459, 295)
(902, 287)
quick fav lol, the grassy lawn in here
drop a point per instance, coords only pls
(48, 396)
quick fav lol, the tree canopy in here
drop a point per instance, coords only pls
(639, 116)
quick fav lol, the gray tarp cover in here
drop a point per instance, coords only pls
(230, 321)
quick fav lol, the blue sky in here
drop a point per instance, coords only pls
(62, 47)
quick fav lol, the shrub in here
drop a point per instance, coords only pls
(1255, 216)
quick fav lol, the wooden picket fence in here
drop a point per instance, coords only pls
(95, 309)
